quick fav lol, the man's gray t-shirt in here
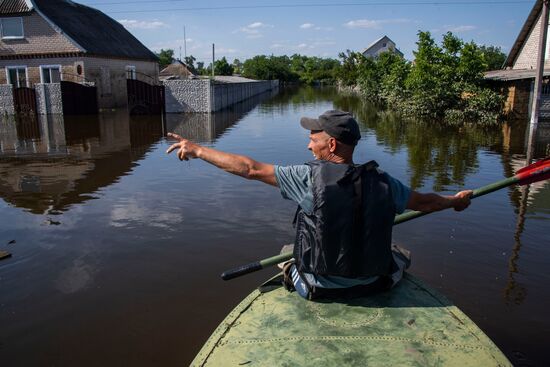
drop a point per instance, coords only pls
(296, 185)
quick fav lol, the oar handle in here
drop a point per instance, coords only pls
(255, 266)
(242, 270)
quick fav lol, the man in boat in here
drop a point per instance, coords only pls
(345, 211)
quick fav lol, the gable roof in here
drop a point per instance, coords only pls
(376, 42)
(92, 30)
(177, 68)
(523, 34)
(383, 38)
(15, 6)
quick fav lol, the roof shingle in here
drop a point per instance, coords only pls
(95, 32)
(13, 7)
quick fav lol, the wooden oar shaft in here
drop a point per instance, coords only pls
(524, 176)
(405, 217)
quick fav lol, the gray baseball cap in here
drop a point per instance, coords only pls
(338, 124)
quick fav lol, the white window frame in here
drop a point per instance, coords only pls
(50, 67)
(8, 68)
(12, 37)
(131, 69)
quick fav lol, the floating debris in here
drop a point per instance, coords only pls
(51, 222)
(4, 255)
(12, 242)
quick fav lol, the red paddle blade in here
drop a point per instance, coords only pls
(538, 171)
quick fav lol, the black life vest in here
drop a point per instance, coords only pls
(348, 234)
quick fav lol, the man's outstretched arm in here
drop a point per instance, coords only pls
(239, 165)
(434, 202)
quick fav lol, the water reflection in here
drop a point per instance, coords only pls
(169, 229)
(52, 162)
(450, 155)
(515, 292)
(207, 127)
(446, 154)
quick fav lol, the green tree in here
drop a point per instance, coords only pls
(166, 57)
(445, 82)
(351, 63)
(222, 67)
(237, 66)
(494, 57)
(190, 62)
(269, 68)
(200, 68)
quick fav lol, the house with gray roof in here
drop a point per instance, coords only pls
(516, 77)
(47, 41)
(383, 44)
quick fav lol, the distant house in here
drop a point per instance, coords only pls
(45, 41)
(383, 44)
(517, 75)
(176, 70)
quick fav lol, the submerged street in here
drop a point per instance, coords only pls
(117, 248)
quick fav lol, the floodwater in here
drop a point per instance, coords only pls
(117, 247)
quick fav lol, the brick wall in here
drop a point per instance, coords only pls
(68, 68)
(200, 95)
(517, 94)
(40, 38)
(192, 95)
(109, 76)
(48, 99)
(6, 100)
(528, 55)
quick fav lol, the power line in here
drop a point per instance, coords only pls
(366, 3)
(313, 5)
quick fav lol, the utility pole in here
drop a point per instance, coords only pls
(184, 43)
(180, 53)
(213, 59)
(535, 107)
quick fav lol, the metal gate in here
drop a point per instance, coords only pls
(24, 100)
(144, 98)
(78, 99)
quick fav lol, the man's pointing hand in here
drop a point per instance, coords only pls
(186, 149)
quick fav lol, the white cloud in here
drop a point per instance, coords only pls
(372, 23)
(307, 26)
(192, 45)
(142, 24)
(302, 45)
(256, 25)
(138, 213)
(319, 43)
(253, 30)
(222, 50)
(460, 28)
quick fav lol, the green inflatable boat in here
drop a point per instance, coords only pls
(411, 325)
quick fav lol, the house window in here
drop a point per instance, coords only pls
(384, 44)
(11, 28)
(17, 76)
(50, 74)
(131, 72)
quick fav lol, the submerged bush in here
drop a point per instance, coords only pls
(445, 83)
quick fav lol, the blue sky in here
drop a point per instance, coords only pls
(242, 29)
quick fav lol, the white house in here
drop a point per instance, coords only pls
(383, 44)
